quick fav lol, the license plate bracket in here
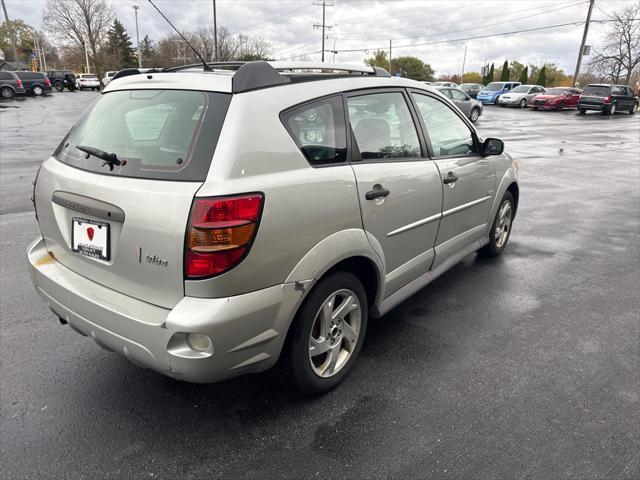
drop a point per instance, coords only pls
(91, 238)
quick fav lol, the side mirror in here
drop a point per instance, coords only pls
(492, 146)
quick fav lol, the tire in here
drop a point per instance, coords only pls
(523, 103)
(303, 369)
(37, 90)
(611, 110)
(495, 102)
(6, 92)
(474, 115)
(58, 86)
(497, 244)
(560, 107)
(582, 111)
(634, 109)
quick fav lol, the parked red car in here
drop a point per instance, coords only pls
(557, 98)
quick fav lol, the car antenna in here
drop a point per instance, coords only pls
(205, 66)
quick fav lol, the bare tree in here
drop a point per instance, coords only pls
(620, 56)
(78, 20)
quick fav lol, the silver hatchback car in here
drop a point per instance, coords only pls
(207, 224)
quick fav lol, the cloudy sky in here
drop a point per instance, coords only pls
(435, 31)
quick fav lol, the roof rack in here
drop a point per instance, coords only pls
(260, 74)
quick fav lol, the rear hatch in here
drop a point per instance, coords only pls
(595, 95)
(123, 226)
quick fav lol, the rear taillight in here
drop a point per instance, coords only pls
(607, 99)
(47, 82)
(19, 82)
(220, 233)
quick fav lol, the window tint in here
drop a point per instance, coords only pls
(163, 134)
(30, 75)
(618, 91)
(383, 126)
(5, 76)
(319, 130)
(449, 135)
(456, 95)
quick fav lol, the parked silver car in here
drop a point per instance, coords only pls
(470, 107)
(445, 84)
(207, 224)
(520, 96)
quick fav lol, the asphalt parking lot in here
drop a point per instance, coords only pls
(527, 366)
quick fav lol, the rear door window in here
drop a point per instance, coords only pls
(161, 134)
(383, 126)
(318, 128)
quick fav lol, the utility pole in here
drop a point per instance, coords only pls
(390, 69)
(323, 26)
(215, 33)
(11, 34)
(36, 47)
(464, 60)
(584, 40)
(135, 9)
(86, 52)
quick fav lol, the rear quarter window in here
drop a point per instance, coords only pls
(162, 134)
(318, 129)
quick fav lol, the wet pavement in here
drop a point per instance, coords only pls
(526, 366)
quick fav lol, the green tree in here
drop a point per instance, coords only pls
(515, 70)
(504, 76)
(147, 50)
(472, 77)
(118, 46)
(413, 68)
(379, 59)
(524, 75)
(24, 39)
(542, 76)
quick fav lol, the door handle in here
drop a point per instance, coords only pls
(377, 192)
(450, 178)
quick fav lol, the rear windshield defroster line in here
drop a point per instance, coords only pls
(162, 134)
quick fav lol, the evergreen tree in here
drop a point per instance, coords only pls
(524, 76)
(119, 46)
(147, 49)
(542, 76)
(492, 73)
(504, 76)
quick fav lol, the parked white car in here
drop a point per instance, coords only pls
(108, 76)
(520, 95)
(87, 80)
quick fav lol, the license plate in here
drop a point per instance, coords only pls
(90, 238)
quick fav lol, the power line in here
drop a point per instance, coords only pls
(474, 19)
(453, 40)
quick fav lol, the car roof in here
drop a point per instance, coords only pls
(239, 77)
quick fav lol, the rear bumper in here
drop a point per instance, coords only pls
(246, 331)
(486, 100)
(593, 106)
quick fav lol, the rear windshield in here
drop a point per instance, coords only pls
(89, 77)
(597, 90)
(556, 91)
(161, 134)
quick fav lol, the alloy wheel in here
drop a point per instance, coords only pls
(37, 91)
(504, 224)
(334, 333)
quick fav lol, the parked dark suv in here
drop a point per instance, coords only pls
(35, 83)
(608, 99)
(61, 79)
(10, 85)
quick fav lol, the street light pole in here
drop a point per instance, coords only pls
(86, 53)
(135, 9)
(215, 33)
(464, 60)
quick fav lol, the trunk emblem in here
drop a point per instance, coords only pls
(90, 233)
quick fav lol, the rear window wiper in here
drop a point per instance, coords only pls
(110, 159)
